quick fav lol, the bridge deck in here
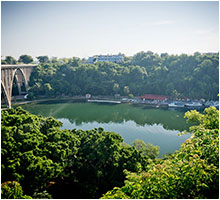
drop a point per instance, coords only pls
(18, 65)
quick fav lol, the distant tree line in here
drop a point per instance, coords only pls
(179, 76)
(9, 60)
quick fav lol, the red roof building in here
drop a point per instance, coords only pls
(154, 97)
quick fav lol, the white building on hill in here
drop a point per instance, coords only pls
(106, 58)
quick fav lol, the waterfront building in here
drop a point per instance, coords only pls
(154, 97)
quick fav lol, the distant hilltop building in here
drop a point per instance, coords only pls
(106, 58)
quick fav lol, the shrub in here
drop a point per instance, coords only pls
(12, 190)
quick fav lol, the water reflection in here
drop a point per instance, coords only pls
(78, 113)
(157, 126)
(167, 140)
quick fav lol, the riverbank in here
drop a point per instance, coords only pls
(103, 99)
(62, 100)
(47, 100)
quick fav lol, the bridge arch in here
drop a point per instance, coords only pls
(19, 76)
(11, 72)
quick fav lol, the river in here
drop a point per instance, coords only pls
(152, 125)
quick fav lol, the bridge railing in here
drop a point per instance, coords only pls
(18, 66)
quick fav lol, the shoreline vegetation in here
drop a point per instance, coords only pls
(94, 164)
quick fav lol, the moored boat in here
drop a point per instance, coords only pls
(194, 104)
(212, 103)
(176, 105)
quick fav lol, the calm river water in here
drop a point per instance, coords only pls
(157, 126)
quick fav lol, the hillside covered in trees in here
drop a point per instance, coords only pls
(193, 76)
(40, 160)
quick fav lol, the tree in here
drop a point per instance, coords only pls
(12, 190)
(148, 150)
(34, 149)
(102, 159)
(43, 59)
(25, 59)
(126, 90)
(176, 94)
(131, 96)
(69, 164)
(177, 76)
(3, 62)
(48, 89)
(54, 60)
(74, 61)
(10, 60)
(190, 172)
(116, 88)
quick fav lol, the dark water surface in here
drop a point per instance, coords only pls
(157, 126)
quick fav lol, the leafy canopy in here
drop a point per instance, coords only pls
(191, 172)
(179, 76)
(65, 164)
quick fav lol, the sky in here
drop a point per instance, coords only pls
(83, 29)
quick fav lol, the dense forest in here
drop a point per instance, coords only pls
(39, 160)
(66, 163)
(179, 76)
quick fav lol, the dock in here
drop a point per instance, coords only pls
(103, 101)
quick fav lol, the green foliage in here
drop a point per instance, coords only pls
(101, 160)
(34, 149)
(43, 59)
(48, 89)
(3, 62)
(12, 190)
(116, 88)
(9, 60)
(131, 96)
(126, 90)
(191, 172)
(148, 150)
(85, 164)
(209, 120)
(25, 59)
(177, 76)
(80, 164)
(42, 195)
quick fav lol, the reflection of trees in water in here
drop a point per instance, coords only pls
(79, 113)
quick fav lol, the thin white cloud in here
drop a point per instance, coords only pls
(206, 33)
(203, 31)
(163, 22)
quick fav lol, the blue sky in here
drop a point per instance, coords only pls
(83, 29)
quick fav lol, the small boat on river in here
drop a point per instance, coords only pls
(194, 104)
(176, 105)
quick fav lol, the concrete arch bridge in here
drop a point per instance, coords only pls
(20, 74)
